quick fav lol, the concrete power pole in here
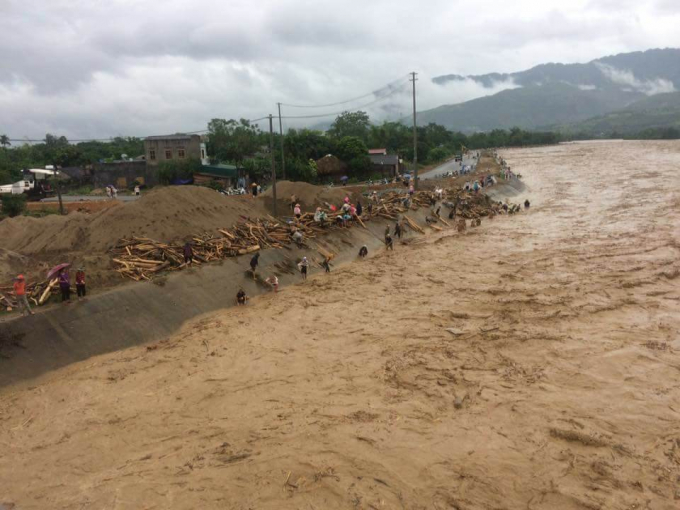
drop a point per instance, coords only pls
(415, 134)
(271, 151)
(283, 159)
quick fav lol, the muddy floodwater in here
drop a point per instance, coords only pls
(529, 363)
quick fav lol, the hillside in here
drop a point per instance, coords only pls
(557, 94)
(652, 113)
(528, 107)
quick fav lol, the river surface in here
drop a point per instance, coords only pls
(529, 363)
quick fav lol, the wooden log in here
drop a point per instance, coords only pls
(413, 225)
(47, 291)
(251, 249)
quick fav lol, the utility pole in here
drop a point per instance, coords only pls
(283, 159)
(415, 134)
(271, 151)
(58, 187)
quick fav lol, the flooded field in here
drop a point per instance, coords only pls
(529, 363)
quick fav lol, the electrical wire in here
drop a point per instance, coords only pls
(330, 114)
(373, 93)
(382, 96)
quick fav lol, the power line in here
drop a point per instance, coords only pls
(330, 114)
(390, 87)
(373, 93)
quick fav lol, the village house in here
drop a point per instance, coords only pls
(385, 164)
(169, 147)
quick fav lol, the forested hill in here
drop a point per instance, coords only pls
(557, 94)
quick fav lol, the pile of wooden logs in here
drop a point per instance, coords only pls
(139, 258)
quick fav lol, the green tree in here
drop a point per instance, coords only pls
(394, 136)
(4, 141)
(13, 205)
(351, 124)
(258, 166)
(352, 150)
(438, 154)
(232, 140)
(306, 143)
(171, 170)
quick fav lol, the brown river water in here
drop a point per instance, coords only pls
(529, 363)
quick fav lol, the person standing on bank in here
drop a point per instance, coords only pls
(65, 285)
(254, 262)
(80, 282)
(20, 293)
(304, 265)
(188, 254)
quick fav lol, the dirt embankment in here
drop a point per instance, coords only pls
(308, 196)
(165, 214)
(33, 245)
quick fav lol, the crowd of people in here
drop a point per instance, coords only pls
(64, 281)
(348, 213)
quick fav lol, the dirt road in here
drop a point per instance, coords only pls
(530, 363)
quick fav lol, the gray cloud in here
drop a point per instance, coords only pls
(93, 69)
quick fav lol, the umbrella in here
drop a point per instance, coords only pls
(56, 269)
(344, 178)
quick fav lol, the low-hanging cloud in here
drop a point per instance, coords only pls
(627, 79)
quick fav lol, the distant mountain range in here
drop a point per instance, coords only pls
(627, 92)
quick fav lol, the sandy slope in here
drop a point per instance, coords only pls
(528, 364)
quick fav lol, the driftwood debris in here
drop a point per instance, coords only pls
(139, 258)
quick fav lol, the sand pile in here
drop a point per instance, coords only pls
(308, 195)
(164, 214)
(11, 264)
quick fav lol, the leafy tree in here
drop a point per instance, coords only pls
(306, 144)
(394, 136)
(4, 141)
(68, 155)
(258, 166)
(350, 124)
(232, 140)
(174, 169)
(438, 154)
(13, 205)
(353, 151)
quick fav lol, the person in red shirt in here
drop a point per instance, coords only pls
(20, 293)
(80, 282)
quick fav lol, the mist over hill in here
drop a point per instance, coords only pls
(553, 94)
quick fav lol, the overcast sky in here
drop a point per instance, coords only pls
(99, 68)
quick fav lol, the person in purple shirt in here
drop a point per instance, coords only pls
(65, 285)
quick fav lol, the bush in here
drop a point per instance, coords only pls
(438, 154)
(169, 171)
(13, 205)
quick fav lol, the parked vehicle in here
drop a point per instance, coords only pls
(34, 184)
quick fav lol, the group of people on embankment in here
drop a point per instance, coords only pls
(64, 281)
